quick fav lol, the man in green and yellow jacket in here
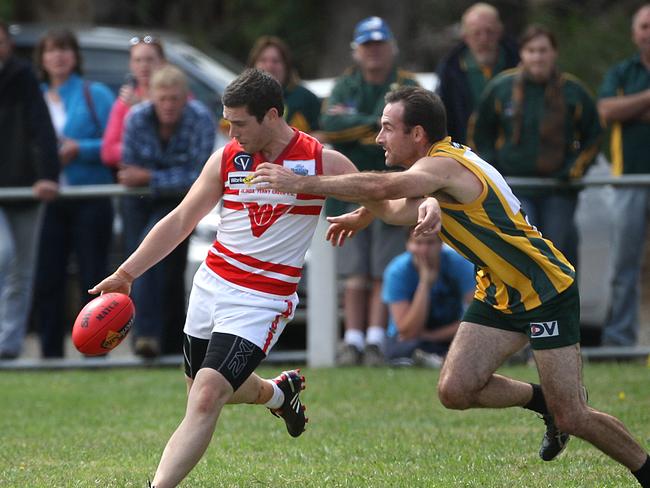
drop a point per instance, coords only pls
(350, 122)
(535, 121)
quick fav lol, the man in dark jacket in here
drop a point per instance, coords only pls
(466, 69)
(28, 157)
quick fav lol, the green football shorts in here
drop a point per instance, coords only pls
(553, 324)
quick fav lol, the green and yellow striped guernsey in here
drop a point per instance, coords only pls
(517, 269)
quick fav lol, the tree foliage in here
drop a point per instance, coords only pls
(591, 37)
(592, 34)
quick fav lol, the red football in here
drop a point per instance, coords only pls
(103, 323)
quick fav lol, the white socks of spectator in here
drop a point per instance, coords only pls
(277, 399)
(374, 335)
(355, 338)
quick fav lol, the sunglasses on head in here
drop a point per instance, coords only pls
(144, 40)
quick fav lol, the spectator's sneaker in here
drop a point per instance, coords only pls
(555, 441)
(292, 411)
(349, 355)
(372, 356)
(147, 347)
(427, 359)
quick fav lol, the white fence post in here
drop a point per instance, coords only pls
(322, 306)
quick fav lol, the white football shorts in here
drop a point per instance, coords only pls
(216, 306)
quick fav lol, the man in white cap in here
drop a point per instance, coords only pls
(351, 121)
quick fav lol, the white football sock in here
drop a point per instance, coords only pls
(277, 399)
(355, 338)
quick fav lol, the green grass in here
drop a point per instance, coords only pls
(368, 427)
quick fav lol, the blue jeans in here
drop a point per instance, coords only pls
(159, 294)
(82, 228)
(19, 229)
(631, 206)
(553, 215)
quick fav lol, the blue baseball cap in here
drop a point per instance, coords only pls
(371, 29)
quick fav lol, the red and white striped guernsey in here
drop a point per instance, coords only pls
(264, 234)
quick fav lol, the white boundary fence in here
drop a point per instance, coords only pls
(322, 309)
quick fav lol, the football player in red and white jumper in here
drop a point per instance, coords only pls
(244, 293)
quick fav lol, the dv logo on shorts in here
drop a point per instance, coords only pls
(243, 161)
(544, 329)
(264, 216)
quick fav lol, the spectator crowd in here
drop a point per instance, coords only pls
(403, 296)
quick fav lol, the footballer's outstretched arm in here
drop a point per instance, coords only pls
(400, 211)
(394, 197)
(415, 182)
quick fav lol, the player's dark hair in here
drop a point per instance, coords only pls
(257, 91)
(423, 108)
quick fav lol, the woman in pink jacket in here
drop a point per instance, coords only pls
(146, 56)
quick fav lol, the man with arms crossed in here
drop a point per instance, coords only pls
(526, 289)
(245, 292)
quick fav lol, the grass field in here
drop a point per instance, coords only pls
(368, 427)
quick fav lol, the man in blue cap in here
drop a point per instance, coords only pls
(351, 120)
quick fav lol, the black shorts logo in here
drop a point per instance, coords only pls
(239, 360)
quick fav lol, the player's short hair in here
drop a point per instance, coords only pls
(423, 108)
(257, 91)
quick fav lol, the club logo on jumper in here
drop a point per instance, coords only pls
(238, 361)
(544, 329)
(302, 167)
(264, 216)
(243, 161)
